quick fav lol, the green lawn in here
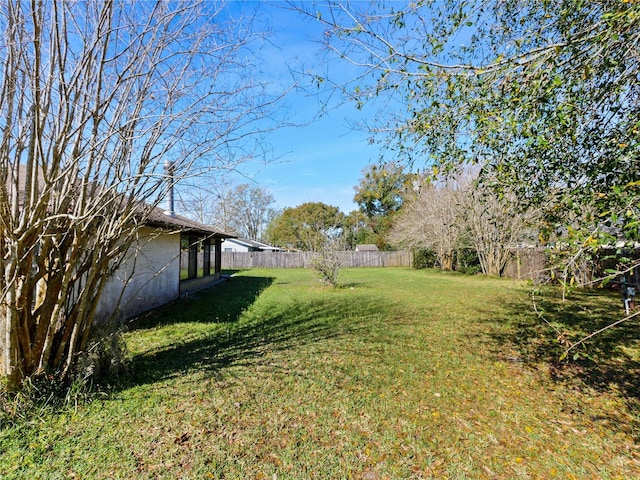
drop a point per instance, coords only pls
(397, 374)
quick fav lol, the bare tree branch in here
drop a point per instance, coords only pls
(94, 98)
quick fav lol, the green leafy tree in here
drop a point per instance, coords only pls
(544, 95)
(309, 226)
(380, 194)
(357, 231)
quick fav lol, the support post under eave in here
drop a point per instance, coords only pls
(218, 255)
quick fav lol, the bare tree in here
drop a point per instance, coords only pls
(433, 220)
(252, 210)
(495, 225)
(94, 97)
(459, 213)
(210, 205)
(243, 209)
(328, 260)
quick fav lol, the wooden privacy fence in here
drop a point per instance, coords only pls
(527, 263)
(303, 259)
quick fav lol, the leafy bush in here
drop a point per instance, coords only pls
(470, 270)
(467, 261)
(423, 258)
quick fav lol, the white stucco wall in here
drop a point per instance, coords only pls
(156, 280)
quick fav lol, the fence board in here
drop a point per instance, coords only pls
(525, 263)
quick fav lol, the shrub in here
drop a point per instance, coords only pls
(105, 356)
(423, 258)
(467, 261)
(327, 267)
(327, 262)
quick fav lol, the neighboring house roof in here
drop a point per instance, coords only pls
(253, 244)
(366, 248)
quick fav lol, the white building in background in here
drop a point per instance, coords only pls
(246, 245)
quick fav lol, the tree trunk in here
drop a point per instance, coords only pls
(90, 112)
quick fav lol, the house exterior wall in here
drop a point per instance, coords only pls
(156, 281)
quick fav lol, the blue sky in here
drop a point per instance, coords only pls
(321, 160)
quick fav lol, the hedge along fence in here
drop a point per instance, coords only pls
(303, 259)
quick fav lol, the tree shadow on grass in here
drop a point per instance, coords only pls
(284, 326)
(605, 363)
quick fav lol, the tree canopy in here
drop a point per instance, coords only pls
(380, 194)
(309, 226)
(381, 190)
(544, 95)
